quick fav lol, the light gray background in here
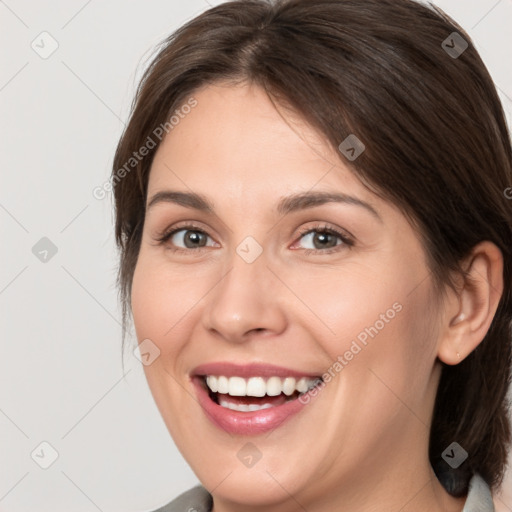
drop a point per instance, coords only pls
(61, 379)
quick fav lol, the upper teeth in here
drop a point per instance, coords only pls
(258, 386)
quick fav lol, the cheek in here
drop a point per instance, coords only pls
(162, 309)
(353, 301)
(395, 364)
(146, 301)
(165, 302)
(376, 317)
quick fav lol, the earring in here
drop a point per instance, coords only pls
(458, 356)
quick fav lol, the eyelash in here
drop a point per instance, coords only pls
(347, 240)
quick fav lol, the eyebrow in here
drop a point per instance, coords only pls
(286, 205)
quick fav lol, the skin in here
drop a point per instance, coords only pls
(362, 443)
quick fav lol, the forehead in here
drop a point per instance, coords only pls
(234, 143)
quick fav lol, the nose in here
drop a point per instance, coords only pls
(246, 302)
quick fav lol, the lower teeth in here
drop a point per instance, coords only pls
(243, 407)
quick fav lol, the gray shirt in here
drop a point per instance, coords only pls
(198, 499)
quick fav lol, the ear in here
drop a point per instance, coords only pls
(469, 312)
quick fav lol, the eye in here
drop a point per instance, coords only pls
(324, 239)
(184, 238)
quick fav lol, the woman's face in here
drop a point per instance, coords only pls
(261, 290)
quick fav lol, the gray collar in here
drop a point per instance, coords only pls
(479, 496)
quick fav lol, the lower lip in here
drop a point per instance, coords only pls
(245, 423)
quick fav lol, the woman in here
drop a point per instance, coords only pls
(315, 243)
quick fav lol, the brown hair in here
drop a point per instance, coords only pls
(436, 143)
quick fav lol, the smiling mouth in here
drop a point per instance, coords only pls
(255, 393)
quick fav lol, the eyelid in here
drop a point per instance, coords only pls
(347, 239)
(164, 235)
(345, 236)
(327, 227)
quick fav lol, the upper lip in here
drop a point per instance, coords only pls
(248, 370)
